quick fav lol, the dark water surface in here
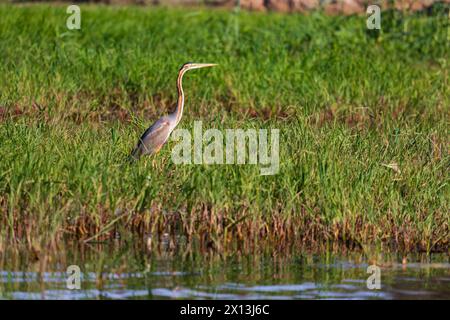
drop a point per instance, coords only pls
(131, 272)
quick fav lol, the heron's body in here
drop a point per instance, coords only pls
(158, 133)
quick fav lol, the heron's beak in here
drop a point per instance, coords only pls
(202, 65)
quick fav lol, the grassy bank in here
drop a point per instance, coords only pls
(363, 119)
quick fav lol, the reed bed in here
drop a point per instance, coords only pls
(363, 118)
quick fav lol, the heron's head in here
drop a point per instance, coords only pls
(191, 65)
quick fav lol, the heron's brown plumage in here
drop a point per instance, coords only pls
(157, 134)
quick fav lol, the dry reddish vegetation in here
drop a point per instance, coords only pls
(329, 6)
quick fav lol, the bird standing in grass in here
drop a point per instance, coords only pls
(158, 133)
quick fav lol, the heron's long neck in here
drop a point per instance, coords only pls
(180, 102)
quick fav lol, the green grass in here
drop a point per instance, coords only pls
(348, 102)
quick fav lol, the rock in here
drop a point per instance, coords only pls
(305, 5)
(279, 5)
(345, 6)
(287, 5)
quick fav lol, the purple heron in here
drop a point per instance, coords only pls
(158, 133)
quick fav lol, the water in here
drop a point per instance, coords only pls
(131, 272)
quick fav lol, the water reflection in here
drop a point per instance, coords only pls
(131, 272)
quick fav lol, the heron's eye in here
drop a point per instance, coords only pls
(185, 65)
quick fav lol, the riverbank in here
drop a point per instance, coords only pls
(362, 114)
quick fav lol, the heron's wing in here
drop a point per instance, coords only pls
(157, 134)
(152, 139)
